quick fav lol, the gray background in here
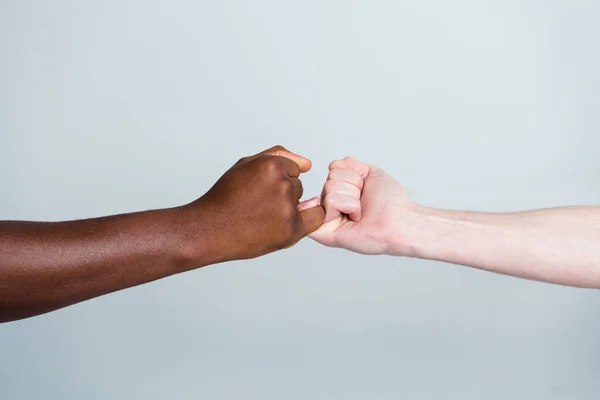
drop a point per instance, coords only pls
(116, 106)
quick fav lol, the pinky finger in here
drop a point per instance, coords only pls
(305, 205)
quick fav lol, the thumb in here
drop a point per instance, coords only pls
(303, 163)
(311, 220)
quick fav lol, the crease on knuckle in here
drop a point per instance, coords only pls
(270, 165)
(284, 188)
(329, 200)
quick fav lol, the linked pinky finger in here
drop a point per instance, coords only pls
(305, 205)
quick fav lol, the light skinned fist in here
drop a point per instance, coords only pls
(254, 209)
(364, 210)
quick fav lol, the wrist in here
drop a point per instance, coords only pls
(412, 231)
(441, 235)
(196, 237)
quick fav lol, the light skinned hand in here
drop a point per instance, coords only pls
(363, 205)
(368, 212)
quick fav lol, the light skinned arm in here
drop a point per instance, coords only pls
(252, 210)
(368, 212)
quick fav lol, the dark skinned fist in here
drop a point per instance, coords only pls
(254, 209)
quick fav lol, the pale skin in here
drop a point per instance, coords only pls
(368, 212)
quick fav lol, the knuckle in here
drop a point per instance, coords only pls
(284, 187)
(350, 162)
(289, 212)
(330, 186)
(357, 181)
(336, 164)
(329, 200)
(270, 165)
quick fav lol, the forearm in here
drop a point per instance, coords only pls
(252, 210)
(560, 245)
(45, 266)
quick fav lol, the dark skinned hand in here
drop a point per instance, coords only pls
(252, 210)
(255, 205)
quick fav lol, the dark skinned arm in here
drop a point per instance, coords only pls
(252, 210)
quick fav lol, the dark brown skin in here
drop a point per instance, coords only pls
(252, 210)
